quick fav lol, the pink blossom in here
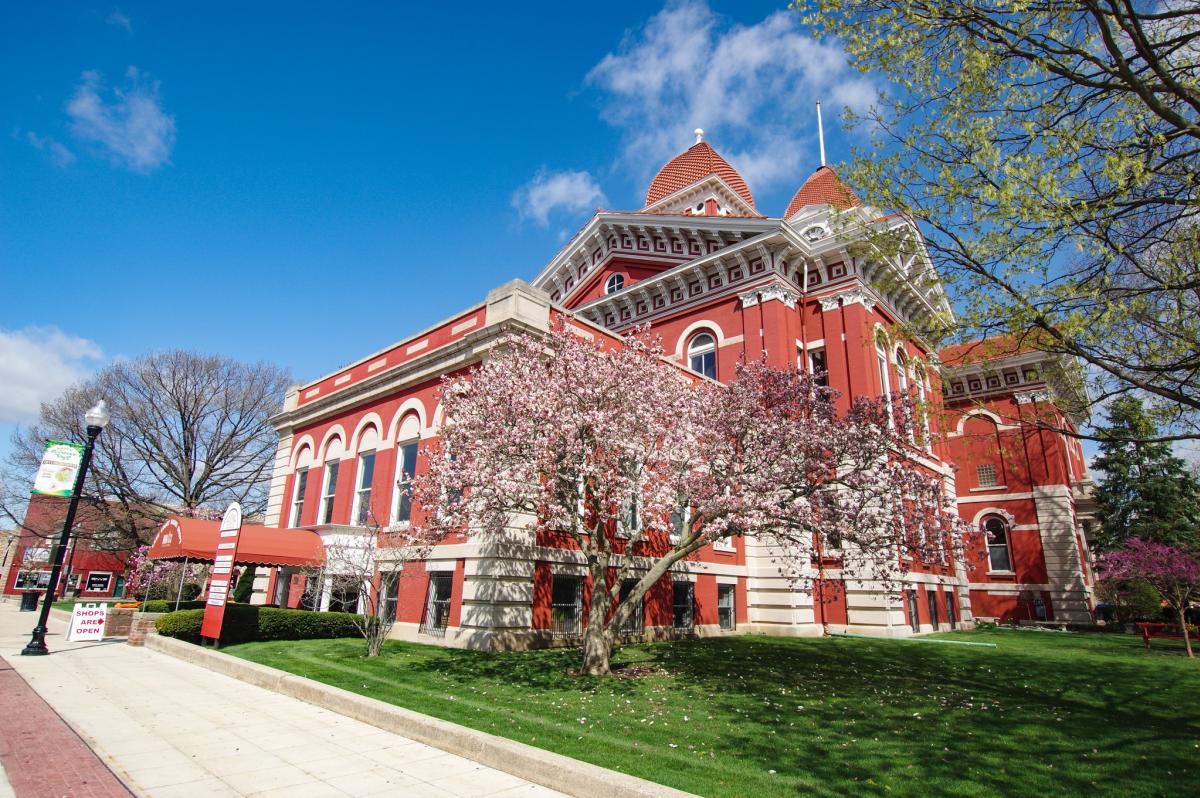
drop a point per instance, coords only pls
(611, 447)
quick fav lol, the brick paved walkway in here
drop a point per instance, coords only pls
(170, 729)
(42, 756)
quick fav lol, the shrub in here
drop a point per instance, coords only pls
(245, 623)
(168, 605)
(184, 624)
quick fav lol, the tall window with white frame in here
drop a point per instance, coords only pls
(680, 518)
(683, 604)
(818, 367)
(726, 614)
(298, 497)
(406, 462)
(362, 492)
(922, 378)
(629, 519)
(389, 595)
(329, 491)
(999, 556)
(885, 383)
(902, 389)
(614, 284)
(702, 355)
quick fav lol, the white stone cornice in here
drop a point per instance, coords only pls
(855, 296)
(1029, 397)
(768, 292)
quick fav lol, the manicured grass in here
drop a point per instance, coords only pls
(1045, 713)
(69, 604)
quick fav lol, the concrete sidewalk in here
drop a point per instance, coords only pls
(168, 728)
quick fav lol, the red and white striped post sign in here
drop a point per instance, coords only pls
(219, 586)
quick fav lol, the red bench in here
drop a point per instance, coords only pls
(1163, 631)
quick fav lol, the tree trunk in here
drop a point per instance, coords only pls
(1187, 640)
(597, 643)
(596, 651)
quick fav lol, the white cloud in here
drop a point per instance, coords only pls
(55, 150)
(751, 88)
(120, 20)
(36, 365)
(132, 127)
(551, 192)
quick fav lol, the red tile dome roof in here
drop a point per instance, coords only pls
(698, 162)
(823, 187)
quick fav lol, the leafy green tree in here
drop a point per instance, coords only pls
(1145, 490)
(1049, 152)
(1132, 599)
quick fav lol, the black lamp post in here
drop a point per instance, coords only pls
(96, 420)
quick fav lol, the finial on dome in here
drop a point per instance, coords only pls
(699, 134)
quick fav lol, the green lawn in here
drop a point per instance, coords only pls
(69, 604)
(1042, 714)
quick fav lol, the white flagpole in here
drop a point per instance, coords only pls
(820, 133)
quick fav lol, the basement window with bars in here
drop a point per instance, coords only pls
(635, 623)
(566, 605)
(986, 476)
(437, 605)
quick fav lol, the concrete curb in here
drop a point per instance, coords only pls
(546, 768)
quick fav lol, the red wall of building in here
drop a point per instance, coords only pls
(40, 529)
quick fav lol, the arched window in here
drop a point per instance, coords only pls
(999, 558)
(885, 382)
(902, 389)
(614, 284)
(901, 373)
(702, 355)
(922, 379)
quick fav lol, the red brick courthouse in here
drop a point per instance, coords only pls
(721, 282)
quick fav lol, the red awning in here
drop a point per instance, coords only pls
(196, 540)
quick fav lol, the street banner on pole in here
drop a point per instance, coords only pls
(60, 464)
(87, 621)
(219, 586)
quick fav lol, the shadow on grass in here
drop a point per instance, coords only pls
(1020, 721)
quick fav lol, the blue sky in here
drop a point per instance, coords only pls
(304, 184)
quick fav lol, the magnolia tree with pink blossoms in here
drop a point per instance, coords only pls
(1172, 571)
(641, 464)
(146, 574)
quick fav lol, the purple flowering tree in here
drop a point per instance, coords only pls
(1170, 570)
(637, 464)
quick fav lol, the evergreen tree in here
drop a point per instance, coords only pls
(244, 586)
(1145, 491)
